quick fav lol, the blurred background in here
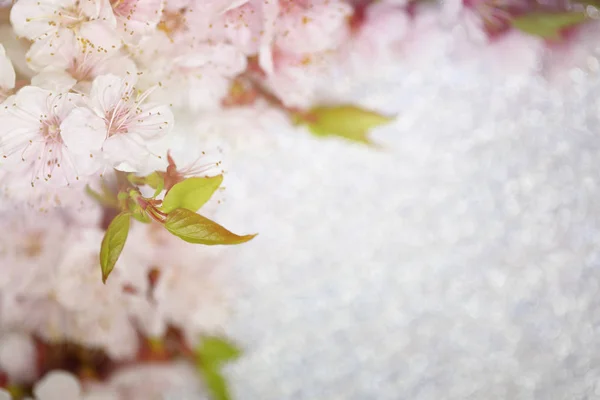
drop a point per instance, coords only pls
(456, 258)
(459, 260)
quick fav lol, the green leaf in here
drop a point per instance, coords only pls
(137, 212)
(194, 228)
(216, 350)
(154, 180)
(212, 353)
(157, 182)
(191, 193)
(113, 243)
(350, 122)
(93, 194)
(105, 199)
(215, 383)
(547, 25)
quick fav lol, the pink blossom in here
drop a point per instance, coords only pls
(488, 17)
(31, 136)
(119, 122)
(17, 357)
(252, 28)
(137, 18)
(144, 382)
(76, 66)
(7, 75)
(193, 75)
(312, 26)
(58, 385)
(55, 23)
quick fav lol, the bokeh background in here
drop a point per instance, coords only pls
(458, 260)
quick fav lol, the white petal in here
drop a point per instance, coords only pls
(126, 152)
(101, 34)
(101, 395)
(7, 72)
(16, 50)
(270, 10)
(231, 4)
(33, 100)
(54, 80)
(83, 132)
(153, 122)
(17, 357)
(29, 19)
(52, 51)
(4, 395)
(108, 91)
(58, 385)
(20, 126)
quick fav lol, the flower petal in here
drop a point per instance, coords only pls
(101, 35)
(126, 152)
(7, 72)
(58, 385)
(55, 80)
(153, 122)
(83, 132)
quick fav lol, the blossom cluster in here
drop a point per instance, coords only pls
(105, 109)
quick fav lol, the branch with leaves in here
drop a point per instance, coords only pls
(176, 211)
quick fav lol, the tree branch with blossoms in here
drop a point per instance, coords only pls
(103, 114)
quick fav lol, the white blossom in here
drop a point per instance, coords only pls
(7, 76)
(31, 138)
(119, 122)
(51, 24)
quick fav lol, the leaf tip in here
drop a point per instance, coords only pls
(247, 238)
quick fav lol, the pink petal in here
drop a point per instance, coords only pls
(83, 132)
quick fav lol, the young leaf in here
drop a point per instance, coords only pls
(113, 243)
(154, 180)
(217, 351)
(194, 228)
(191, 193)
(157, 182)
(212, 353)
(215, 383)
(137, 212)
(547, 25)
(105, 199)
(350, 122)
(93, 194)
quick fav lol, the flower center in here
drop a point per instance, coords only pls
(70, 17)
(81, 70)
(51, 131)
(117, 121)
(172, 21)
(123, 8)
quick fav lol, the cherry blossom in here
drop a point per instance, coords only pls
(176, 380)
(119, 123)
(312, 26)
(79, 291)
(137, 18)
(75, 67)
(51, 24)
(7, 75)
(16, 49)
(31, 137)
(58, 385)
(193, 75)
(17, 357)
(251, 28)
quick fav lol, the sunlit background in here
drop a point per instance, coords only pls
(455, 257)
(457, 261)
